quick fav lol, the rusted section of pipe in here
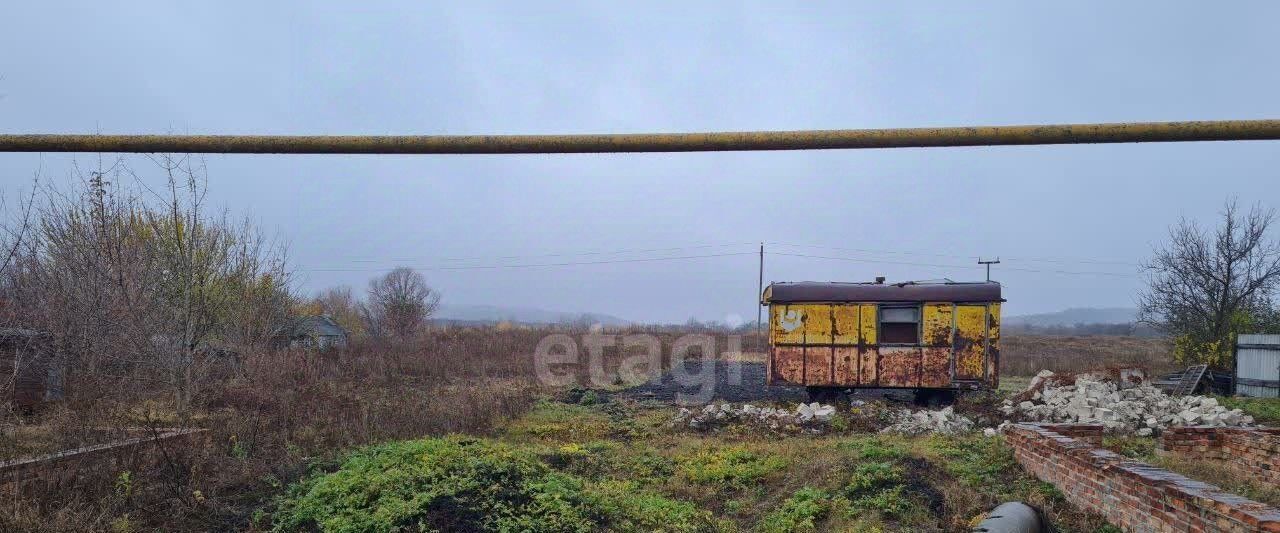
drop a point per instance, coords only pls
(1217, 130)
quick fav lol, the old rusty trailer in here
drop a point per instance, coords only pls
(935, 338)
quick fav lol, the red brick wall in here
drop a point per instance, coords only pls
(91, 463)
(1132, 495)
(1252, 452)
(1089, 433)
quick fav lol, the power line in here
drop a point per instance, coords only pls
(864, 250)
(497, 267)
(1072, 260)
(954, 256)
(729, 245)
(701, 256)
(560, 254)
(912, 263)
(876, 261)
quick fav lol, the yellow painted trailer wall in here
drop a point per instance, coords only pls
(868, 351)
(847, 323)
(993, 345)
(935, 337)
(971, 326)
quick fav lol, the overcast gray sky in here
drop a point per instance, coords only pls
(493, 68)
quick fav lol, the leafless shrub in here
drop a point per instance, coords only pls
(137, 291)
(399, 303)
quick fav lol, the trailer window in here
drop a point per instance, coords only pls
(900, 325)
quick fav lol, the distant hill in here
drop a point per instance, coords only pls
(1076, 315)
(486, 314)
(1082, 321)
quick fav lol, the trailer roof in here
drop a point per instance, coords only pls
(812, 291)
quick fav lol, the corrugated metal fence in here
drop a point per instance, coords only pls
(1258, 365)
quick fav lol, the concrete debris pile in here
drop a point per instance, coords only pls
(945, 421)
(809, 416)
(1129, 408)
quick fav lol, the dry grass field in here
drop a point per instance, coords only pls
(285, 419)
(1024, 355)
(280, 414)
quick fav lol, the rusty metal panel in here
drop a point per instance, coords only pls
(935, 368)
(993, 324)
(899, 366)
(970, 341)
(788, 365)
(786, 324)
(937, 324)
(867, 316)
(845, 324)
(818, 365)
(817, 323)
(868, 357)
(993, 345)
(846, 365)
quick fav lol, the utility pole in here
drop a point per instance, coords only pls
(759, 295)
(989, 263)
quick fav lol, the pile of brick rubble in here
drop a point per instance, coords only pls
(1122, 407)
(811, 416)
(945, 421)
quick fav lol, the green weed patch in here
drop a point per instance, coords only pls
(734, 467)
(470, 484)
(1263, 410)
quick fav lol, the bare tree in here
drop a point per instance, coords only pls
(1206, 287)
(217, 281)
(15, 225)
(400, 303)
(13, 232)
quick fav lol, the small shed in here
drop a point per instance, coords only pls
(317, 332)
(32, 374)
(1258, 365)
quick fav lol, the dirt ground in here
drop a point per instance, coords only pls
(745, 383)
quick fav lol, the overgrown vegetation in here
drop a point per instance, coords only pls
(286, 413)
(153, 311)
(621, 467)
(165, 315)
